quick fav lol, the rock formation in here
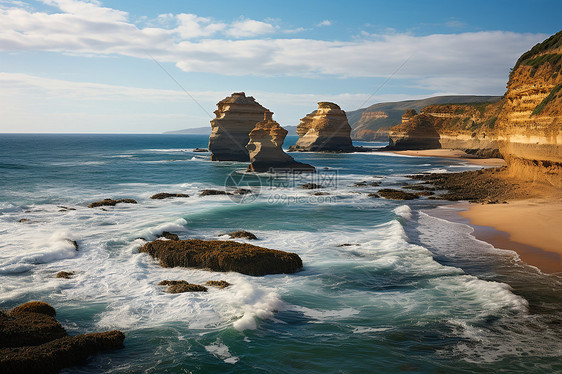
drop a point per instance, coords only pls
(530, 123)
(265, 148)
(110, 202)
(33, 341)
(415, 132)
(324, 130)
(236, 116)
(218, 255)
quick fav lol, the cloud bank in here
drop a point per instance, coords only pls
(260, 47)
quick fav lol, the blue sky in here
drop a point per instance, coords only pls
(97, 66)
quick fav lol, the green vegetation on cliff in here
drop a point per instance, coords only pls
(546, 100)
(553, 42)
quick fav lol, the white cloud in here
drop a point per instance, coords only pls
(475, 59)
(249, 27)
(326, 22)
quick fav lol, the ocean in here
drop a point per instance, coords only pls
(386, 285)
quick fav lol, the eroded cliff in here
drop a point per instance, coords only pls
(530, 123)
(324, 130)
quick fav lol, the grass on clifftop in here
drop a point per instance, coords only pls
(553, 93)
(553, 42)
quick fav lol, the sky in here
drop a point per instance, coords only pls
(120, 66)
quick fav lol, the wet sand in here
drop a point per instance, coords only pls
(453, 153)
(532, 228)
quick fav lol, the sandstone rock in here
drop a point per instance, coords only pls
(242, 234)
(265, 148)
(219, 284)
(218, 255)
(530, 122)
(65, 274)
(324, 130)
(33, 341)
(182, 286)
(236, 117)
(389, 193)
(164, 195)
(415, 132)
(110, 202)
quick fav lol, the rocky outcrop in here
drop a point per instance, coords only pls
(324, 130)
(415, 132)
(165, 195)
(236, 116)
(33, 341)
(218, 284)
(265, 148)
(530, 123)
(181, 286)
(110, 202)
(217, 255)
(242, 234)
(389, 193)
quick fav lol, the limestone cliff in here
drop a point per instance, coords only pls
(415, 132)
(324, 130)
(265, 148)
(236, 116)
(530, 123)
(468, 127)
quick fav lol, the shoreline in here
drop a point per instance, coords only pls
(527, 222)
(529, 227)
(452, 153)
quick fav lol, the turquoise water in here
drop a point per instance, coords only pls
(408, 293)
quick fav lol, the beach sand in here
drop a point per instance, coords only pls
(453, 153)
(532, 228)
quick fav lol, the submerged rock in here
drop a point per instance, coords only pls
(236, 116)
(164, 195)
(311, 186)
(33, 341)
(324, 130)
(265, 148)
(200, 150)
(242, 234)
(213, 193)
(110, 202)
(182, 286)
(219, 284)
(220, 255)
(65, 274)
(389, 193)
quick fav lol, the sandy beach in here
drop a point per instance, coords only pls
(534, 223)
(453, 153)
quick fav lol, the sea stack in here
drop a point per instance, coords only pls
(324, 130)
(236, 116)
(415, 132)
(265, 148)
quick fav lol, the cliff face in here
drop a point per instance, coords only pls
(236, 116)
(415, 132)
(265, 148)
(530, 123)
(324, 130)
(374, 122)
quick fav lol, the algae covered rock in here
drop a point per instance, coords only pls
(110, 202)
(242, 234)
(220, 255)
(389, 193)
